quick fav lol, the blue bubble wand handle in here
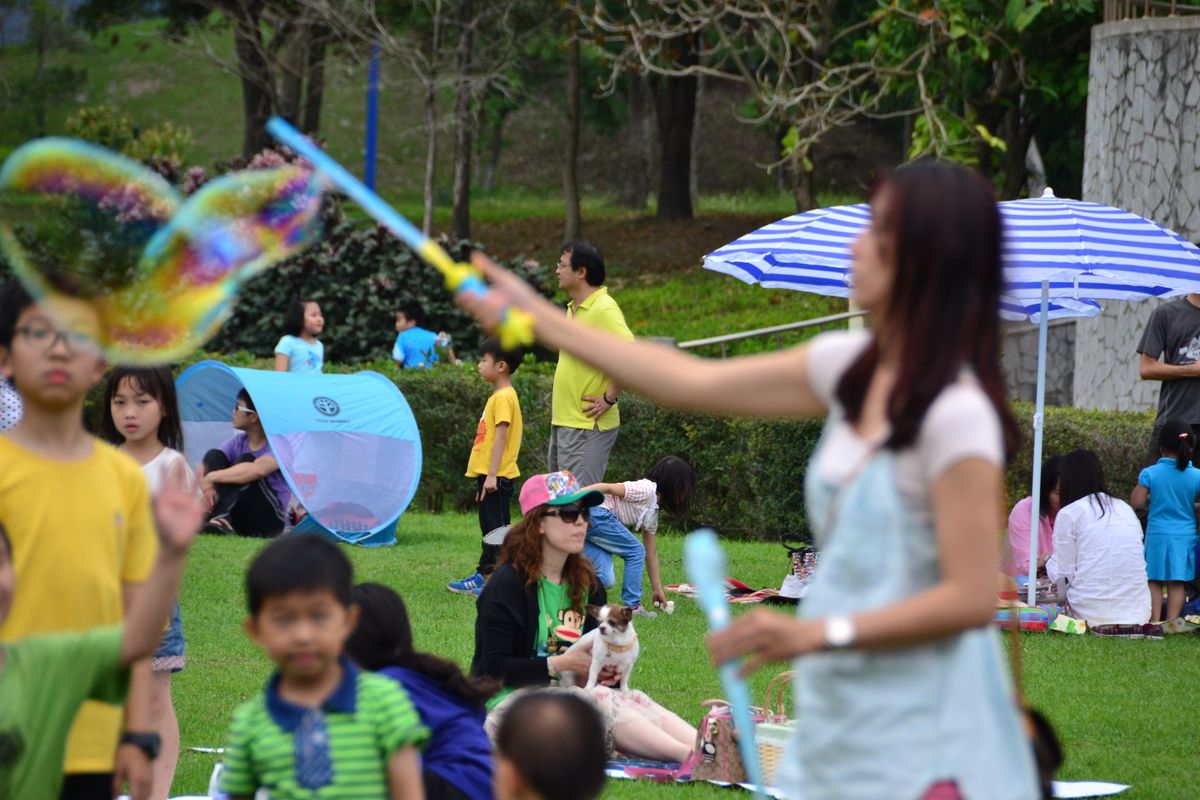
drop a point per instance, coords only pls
(704, 562)
(516, 327)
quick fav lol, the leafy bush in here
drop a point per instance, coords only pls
(163, 147)
(359, 275)
(750, 473)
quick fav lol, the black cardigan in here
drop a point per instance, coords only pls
(506, 620)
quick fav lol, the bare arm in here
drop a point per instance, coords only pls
(657, 595)
(967, 510)
(282, 362)
(404, 775)
(245, 472)
(179, 517)
(1151, 369)
(490, 481)
(614, 489)
(771, 385)
(1139, 496)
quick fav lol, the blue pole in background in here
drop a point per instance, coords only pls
(372, 119)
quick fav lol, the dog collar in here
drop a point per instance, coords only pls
(621, 648)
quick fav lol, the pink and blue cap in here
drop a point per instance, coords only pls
(556, 489)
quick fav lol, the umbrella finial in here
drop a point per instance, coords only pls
(1047, 192)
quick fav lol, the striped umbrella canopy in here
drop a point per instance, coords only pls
(1060, 257)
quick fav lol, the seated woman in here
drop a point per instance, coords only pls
(1016, 560)
(1097, 548)
(533, 608)
(243, 488)
(457, 761)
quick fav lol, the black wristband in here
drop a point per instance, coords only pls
(148, 742)
(610, 402)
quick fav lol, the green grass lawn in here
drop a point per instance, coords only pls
(1119, 706)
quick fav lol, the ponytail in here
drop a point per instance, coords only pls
(1175, 439)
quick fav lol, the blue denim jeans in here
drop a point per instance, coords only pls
(607, 537)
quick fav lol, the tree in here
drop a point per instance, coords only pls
(571, 219)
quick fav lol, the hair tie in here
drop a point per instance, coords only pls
(1184, 435)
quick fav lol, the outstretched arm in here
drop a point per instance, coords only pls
(771, 385)
(179, 516)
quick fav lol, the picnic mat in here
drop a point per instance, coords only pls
(736, 592)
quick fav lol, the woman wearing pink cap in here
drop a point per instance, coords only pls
(533, 608)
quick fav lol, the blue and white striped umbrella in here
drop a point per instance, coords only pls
(1059, 257)
(1083, 251)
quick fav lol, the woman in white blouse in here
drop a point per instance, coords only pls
(1098, 551)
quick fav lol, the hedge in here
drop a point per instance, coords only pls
(750, 473)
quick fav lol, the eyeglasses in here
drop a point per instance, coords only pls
(568, 514)
(243, 409)
(49, 337)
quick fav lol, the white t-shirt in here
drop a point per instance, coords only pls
(158, 468)
(961, 423)
(1103, 560)
(302, 356)
(638, 509)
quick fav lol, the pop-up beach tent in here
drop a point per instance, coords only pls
(347, 445)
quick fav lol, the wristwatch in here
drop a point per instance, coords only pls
(148, 742)
(839, 633)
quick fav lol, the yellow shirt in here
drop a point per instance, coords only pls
(79, 530)
(573, 378)
(501, 407)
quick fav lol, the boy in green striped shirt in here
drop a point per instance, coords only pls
(322, 728)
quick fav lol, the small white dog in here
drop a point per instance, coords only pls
(614, 643)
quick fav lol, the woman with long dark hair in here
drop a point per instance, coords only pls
(457, 761)
(534, 607)
(909, 696)
(1098, 558)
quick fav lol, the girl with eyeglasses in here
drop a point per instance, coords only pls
(532, 609)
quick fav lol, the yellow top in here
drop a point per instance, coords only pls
(501, 407)
(79, 530)
(573, 378)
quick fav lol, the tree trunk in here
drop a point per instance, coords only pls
(39, 81)
(571, 222)
(461, 214)
(314, 79)
(694, 166)
(676, 114)
(639, 130)
(802, 182)
(495, 144)
(430, 154)
(292, 62)
(255, 74)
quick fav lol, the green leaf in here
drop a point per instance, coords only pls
(1012, 12)
(790, 140)
(1029, 15)
(993, 141)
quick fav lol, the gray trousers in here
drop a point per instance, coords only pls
(583, 453)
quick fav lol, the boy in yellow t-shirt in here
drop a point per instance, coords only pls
(493, 461)
(78, 517)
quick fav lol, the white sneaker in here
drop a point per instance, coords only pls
(641, 611)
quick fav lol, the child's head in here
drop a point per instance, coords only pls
(1175, 441)
(303, 318)
(383, 638)
(496, 362)
(550, 746)
(675, 481)
(1080, 475)
(141, 404)
(8, 577)
(54, 361)
(245, 416)
(410, 314)
(298, 590)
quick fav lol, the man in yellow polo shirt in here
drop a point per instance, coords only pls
(585, 418)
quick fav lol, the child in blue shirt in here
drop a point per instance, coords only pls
(415, 346)
(300, 350)
(1171, 486)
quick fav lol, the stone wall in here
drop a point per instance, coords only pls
(1142, 154)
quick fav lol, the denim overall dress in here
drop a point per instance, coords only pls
(889, 724)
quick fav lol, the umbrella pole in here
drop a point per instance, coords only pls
(1039, 407)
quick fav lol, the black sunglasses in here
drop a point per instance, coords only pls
(568, 514)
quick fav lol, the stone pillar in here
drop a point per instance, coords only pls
(1142, 154)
